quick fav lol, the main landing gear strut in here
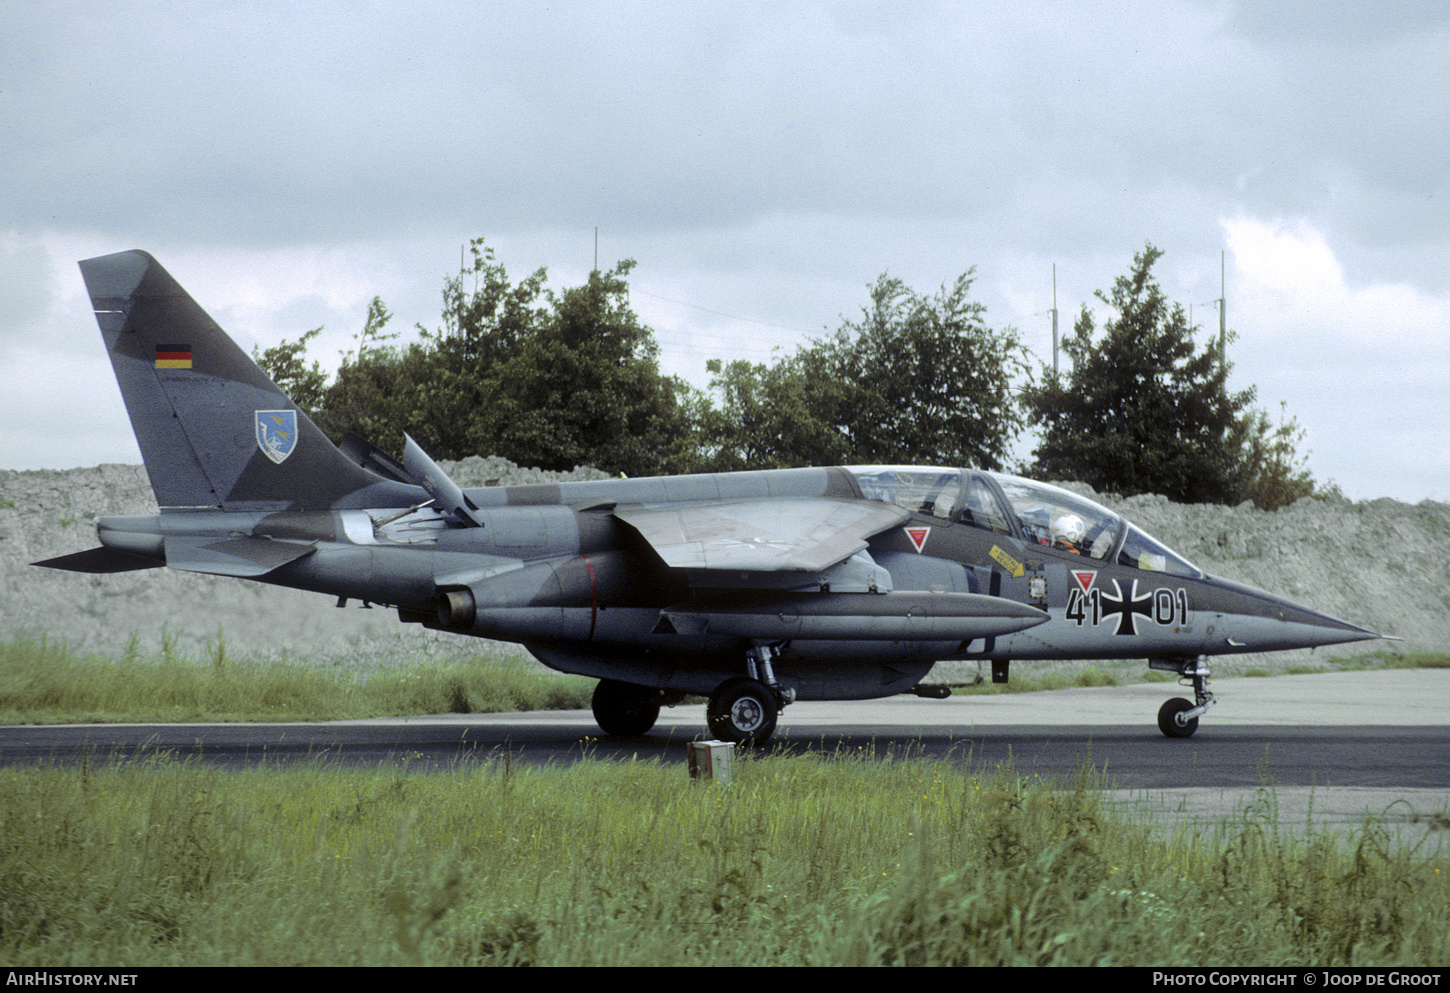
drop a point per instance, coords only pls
(1178, 718)
(744, 709)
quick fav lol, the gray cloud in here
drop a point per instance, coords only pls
(766, 161)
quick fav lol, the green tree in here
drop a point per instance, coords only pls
(585, 388)
(1144, 409)
(286, 365)
(1276, 474)
(516, 370)
(931, 382)
(772, 416)
(917, 379)
(371, 393)
(456, 375)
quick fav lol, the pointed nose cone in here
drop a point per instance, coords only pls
(1245, 619)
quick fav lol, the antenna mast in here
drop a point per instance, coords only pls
(1054, 318)
(1222, 316)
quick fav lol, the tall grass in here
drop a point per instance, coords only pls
(41, 682)
(852, 859)
(44, 682)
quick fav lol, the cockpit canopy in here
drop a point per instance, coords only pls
(1023, 508)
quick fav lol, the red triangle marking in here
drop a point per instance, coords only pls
(918, 537)
(1085, 578)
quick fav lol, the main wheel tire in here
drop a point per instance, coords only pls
(742, 710)
(1169, 722)
(625, 709)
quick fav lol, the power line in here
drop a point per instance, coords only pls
(720, 313)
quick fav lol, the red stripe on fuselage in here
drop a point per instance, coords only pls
(593, 596)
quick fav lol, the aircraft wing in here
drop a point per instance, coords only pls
(780, 535)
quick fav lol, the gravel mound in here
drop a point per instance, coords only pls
(1381, 564)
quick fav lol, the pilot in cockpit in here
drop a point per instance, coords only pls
(1068, 532)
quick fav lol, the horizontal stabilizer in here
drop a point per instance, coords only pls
(101, 560)
(244, 557)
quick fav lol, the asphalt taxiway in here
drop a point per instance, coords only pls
(1328, 749)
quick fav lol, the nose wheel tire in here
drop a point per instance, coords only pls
(624, 709)
(742, 710)
(1170, 720)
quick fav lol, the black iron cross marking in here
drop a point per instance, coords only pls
(1127, 608)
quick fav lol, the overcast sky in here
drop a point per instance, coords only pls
(764, 163)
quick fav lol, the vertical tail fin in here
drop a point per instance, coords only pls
(214, 431)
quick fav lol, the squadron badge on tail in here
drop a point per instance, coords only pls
(277, 433)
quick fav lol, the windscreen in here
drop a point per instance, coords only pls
(1144, 552)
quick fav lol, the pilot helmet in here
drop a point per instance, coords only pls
(1069, 528)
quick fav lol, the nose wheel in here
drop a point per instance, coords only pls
(1178, 718)
(1171, 720)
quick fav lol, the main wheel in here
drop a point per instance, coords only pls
(1170, 721)
(742, 710)
(625, 709)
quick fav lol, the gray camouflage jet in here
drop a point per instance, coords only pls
(752, 588)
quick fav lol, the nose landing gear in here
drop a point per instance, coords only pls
(1178, 718)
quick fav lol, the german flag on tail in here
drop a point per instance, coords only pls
(173, 356)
